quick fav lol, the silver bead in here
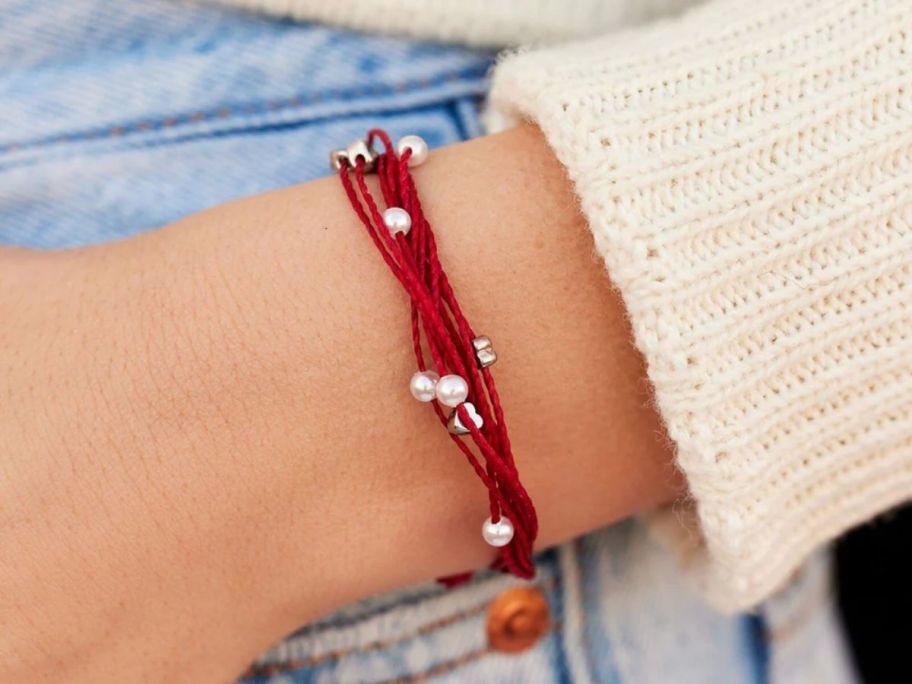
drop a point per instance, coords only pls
(452, 390)
(354, 149)
(484, 351)
(417, 145)
(336, 157)
(498, 533)
(423, 384)
(454, 424)
(360, 148)
(397, 220)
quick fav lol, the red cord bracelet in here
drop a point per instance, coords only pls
(461, 380)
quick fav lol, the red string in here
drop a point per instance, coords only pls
(442, 335)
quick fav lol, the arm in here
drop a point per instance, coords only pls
(207, 429)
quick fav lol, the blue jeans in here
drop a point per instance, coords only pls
(119, 117)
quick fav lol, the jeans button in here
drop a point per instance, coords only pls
(517, 619)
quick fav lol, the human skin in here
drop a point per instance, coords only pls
(207, 440)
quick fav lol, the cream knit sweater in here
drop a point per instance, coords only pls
(746, 170)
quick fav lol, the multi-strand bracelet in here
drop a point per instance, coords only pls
(454, 363)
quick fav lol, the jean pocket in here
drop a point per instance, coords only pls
(426, 634)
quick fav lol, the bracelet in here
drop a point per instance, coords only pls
(461, 380)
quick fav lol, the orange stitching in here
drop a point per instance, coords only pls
(440, 668)
(220, 113)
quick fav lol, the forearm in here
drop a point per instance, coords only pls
(229, 417)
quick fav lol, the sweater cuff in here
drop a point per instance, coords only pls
(746, 173)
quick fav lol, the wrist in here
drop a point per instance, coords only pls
(521, 259)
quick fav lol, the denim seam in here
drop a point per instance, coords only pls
(544, 568)
(568, 599)
(269, 668)
(349, 621)
(451, 665)
(224, 112)
(441, 668)
(756, 633)
(809, 607)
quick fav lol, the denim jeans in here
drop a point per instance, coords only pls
(119, 117)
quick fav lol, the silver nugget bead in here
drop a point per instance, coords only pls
(484, 351)
(455, 425)
(336, 157)
(355, 149)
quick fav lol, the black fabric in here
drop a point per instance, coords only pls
(874, 579)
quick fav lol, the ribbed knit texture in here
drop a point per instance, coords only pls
(746, 171)
(747, 174)
(483, 23)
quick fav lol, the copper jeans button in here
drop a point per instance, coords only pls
(517, 619)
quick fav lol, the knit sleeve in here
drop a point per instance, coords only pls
(746, 171)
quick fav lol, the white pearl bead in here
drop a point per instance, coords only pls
(452, 390)
(417, 145)
(423, 384)
(498, 533)
(397, 220)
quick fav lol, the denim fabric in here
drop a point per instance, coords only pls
(119, 117)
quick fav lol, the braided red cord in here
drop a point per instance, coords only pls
(440, 330)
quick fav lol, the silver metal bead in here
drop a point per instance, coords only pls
(417, 145)
(397, 220)
(452, 390)
(484, 351)
(455, 425)
(498, 533)
(336, 157)
(423, 385)
(354, 149)
(360, 148)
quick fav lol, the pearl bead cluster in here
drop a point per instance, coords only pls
(452, 391)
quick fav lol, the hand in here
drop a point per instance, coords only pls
(206, 435)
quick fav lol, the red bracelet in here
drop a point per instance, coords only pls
(461, 380)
